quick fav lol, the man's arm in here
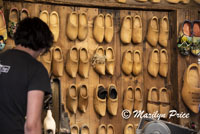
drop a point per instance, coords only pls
(33, 114)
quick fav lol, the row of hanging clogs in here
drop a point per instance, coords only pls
(158, 101)
(131, 28)
(78, 61)
(84, 129)
(189, 38)
(158, 62)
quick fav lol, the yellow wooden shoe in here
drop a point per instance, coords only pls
(137, 62)
(153, 65)
(152, 34)
(110, 129)
(100, 94)
(83, 62)
(74, 129)
(109, 28)
(112, 100)
(72, 61)
(98, 30)
(127, 62)
(191, 87)
(102, 129)
(138, 105)
(126, 30)
(137, 29)
(72, 26)
(44, 16)
(99, 60)
(83, 98)
(129, 129)
(82, 26)
(164, 101)
(164, 31)
(128, 100)
(54, 25)
(85, 129)
(163, 67)
(153, 99)
(72, 98)
(110, 60)
(58, 62)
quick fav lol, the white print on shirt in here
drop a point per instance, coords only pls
(4, 68)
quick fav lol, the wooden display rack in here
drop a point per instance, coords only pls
(176, 13)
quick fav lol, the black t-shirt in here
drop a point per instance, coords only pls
(19, 73)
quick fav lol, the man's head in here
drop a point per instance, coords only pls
(33, 33)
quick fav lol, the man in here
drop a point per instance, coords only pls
(23, 80)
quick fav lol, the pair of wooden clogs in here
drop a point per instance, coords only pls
(77, 98)
(131, 28)
(105, 98)
(77, 61)
(157, 34)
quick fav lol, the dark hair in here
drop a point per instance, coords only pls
(33, 33)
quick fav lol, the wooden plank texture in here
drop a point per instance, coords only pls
(177, 63)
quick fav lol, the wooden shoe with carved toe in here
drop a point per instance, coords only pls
(153, 99)
(137, 62)
(83, 62)
(138, 104)
(137, 29)
(100, 94)
(99, 60)
(110, 60)
(72, 98)
(152, 34)
(72, 26)
(112, 100)
(127, 62)
(109, 28)
(82, 26)
(128, 100)
(98, 30)
(72, 61)
(54, 25)
(153, 65)
(163, 67)
(83, 98)
(126, 30)
(58, 62)
(164, 31)
(164, 101)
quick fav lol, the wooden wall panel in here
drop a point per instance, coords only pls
(173, 82)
